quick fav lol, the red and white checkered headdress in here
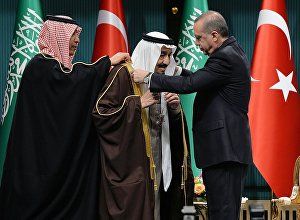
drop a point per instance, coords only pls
(55, 36)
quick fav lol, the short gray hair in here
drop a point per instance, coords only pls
(214, 21)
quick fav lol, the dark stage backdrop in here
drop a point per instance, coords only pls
(150, 15)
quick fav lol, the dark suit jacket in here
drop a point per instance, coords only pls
(220, 122)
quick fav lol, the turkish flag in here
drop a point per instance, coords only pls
(274, 109)
(111, 33)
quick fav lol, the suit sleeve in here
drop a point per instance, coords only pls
(212, 75)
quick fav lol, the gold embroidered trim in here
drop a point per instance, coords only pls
(124, 101)
(184, 167)
(87, 64)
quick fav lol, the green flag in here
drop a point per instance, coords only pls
(24, 46)
(190, 57)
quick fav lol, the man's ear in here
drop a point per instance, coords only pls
(214, 35)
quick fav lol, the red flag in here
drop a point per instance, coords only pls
(275, 104)
(111, 33)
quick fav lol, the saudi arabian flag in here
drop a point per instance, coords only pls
(190, 57)
(24, 46)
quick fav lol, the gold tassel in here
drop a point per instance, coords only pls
(146, 129)
(184, 167)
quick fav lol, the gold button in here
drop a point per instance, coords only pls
(174, 10)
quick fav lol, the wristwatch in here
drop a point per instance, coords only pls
(147, 78)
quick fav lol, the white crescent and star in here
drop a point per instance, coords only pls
(107, 17)
(284, 84)
(273, 18)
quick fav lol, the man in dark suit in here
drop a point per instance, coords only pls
(220, 122)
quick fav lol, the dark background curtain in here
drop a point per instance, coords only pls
(155, 15)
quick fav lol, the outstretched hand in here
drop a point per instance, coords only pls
(138, 75)
(119, 57)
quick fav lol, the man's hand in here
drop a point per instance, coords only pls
(119, 57)
(172, 100)
(149, 98)
(138, 75)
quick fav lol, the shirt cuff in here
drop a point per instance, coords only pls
(178, 72)
(149, 80)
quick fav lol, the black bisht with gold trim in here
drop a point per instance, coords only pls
(51, 169)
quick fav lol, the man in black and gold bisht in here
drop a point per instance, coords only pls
(138, 129)
(51, 166)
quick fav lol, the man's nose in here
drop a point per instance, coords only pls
(197, 42)
(167, 60)
(77, 40)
